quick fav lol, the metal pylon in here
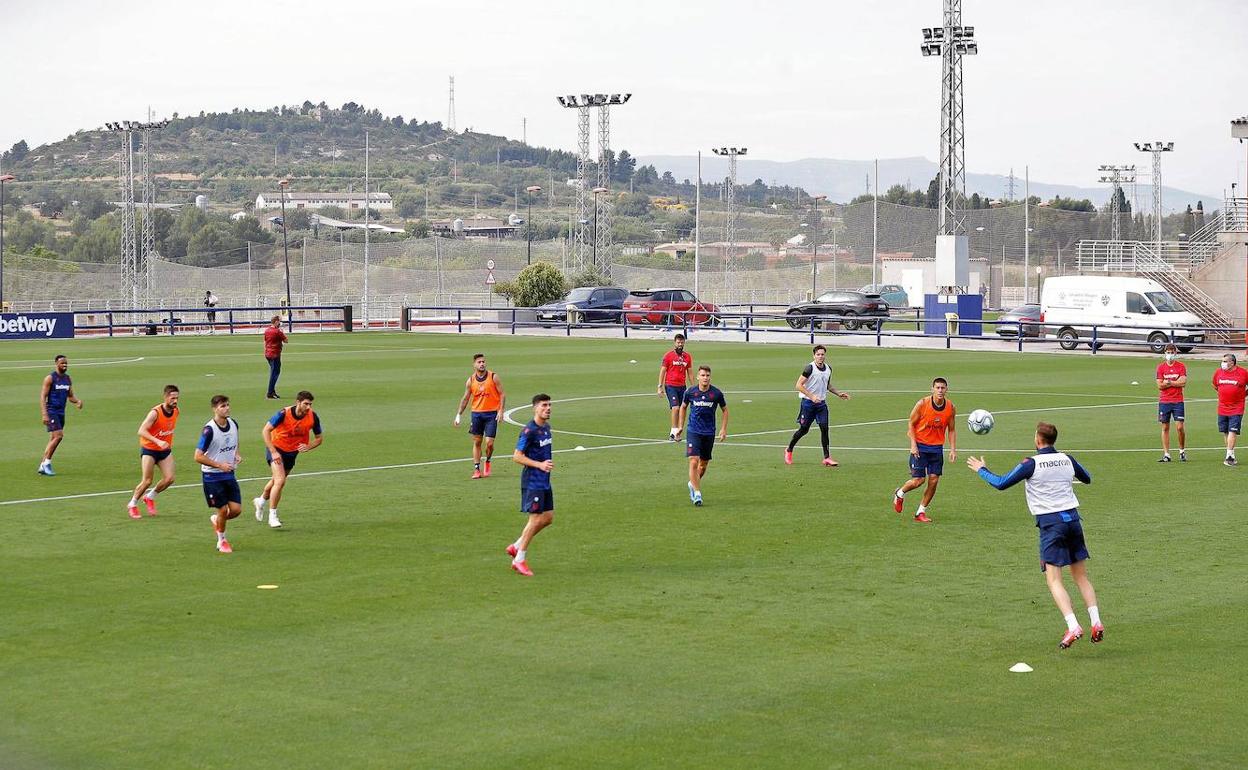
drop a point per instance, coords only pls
(130, 294)
(602, 203)
(147, 254)
(581, 247)
(952, 125)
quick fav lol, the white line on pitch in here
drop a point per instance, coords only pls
(81, 363)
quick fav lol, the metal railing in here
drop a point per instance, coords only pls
(231, 320)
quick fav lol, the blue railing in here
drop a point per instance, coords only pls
(170, 320)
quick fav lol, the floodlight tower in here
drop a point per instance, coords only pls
(602, 204)
(951, 42)
(1156, 148)
(129, 258)
(148, 240)
(581, 104)
(730, 226)
(1115, 177)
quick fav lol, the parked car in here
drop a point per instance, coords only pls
(1124, 308)
(669, 307)
(594, 303)
(1009, 323)
(892, 293)
(851, 308)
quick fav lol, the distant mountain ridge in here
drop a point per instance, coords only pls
(843, 180)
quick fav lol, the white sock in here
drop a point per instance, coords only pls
(151, 494)
(900, 495)
(220, 536)
(516, 545)
(519, 557)
(1231, 454)
(273, 512)
(1071, 622)
(1094, 615)
(44, 461)
(922, 509)
(1165, 454)
(134, 501)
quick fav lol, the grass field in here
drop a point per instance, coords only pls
(793, 621)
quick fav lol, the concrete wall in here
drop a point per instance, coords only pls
(1223, 278)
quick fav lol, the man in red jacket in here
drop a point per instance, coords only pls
(274, 339)
(1231, 382)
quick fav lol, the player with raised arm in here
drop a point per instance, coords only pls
(699, 403)
(674, 380)
(218, 458)
(537, 497)
(485, 391)
(931, 419)
(57, 389)
(814, 384)
(155, 451)
(292, 430)
(1171, 379)
(1048, 478)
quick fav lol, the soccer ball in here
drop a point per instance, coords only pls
(979, 421)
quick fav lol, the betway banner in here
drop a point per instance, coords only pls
(36, 326)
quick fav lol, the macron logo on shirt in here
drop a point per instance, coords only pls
(545, 442)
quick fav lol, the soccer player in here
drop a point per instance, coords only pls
(1230, 382)
(537, 498)
(699, 402)
(485, 391)
(814, 384)
(57, 389)
(1171, 379)
(218, 457)
(155, 450)
(1048, 478)
(931, 419)
(274, 340)
(674, 380)
(292, 430)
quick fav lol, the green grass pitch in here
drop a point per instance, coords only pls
(793, 621)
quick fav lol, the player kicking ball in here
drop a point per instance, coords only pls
(537, 498)
(1048, 478)
(699, 403)
(218, 457)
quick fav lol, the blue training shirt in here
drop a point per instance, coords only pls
(58, 394)
(702, 405)
(535, 444)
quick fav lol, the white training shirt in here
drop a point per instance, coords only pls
(221, 447)
(1051, 486)
(817, 380)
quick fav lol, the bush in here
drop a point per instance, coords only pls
(538, 284)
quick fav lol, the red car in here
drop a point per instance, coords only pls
(668, 307)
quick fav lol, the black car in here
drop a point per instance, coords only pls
(1009, 323)
(594, 304)
(851, 308)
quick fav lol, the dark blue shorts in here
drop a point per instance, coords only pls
(1166, 411)
(1229, 423)
(1061, 539)
(927, 464)
(56, 421)
(220, 493)
(534, 501)
(699, 445)
(812, 412)
(158, 454)
(675, 394)
(288, 459)
(484, 424)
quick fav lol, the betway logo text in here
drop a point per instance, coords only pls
(25, 325)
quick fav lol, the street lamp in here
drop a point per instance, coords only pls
(290, 326)
(596, 191)
(528, 222)
(3, 178)
(814, 254)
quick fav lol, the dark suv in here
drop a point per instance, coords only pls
(593, 303)
(851, 308)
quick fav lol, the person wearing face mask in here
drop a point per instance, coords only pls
(1231, 382)
(1171, 379)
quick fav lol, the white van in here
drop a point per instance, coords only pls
(1124, 309)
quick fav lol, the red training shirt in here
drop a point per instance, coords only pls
(1231, 386)
(677, 365)
(274, 338)
(1170, 373)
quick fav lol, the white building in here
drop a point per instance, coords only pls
(315, 200)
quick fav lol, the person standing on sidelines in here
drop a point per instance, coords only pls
(1171, 379)
(155, 451)
(1230, 381)
(485, 391)
(57, 389)
(218, 457)
(537, 497)
(699, 402)
(210, 302)
(1048, 479)
(274, 340)
(292, 430)
(814, 384)
(931, 419)
(674, 380)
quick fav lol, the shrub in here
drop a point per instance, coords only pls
(537, 284)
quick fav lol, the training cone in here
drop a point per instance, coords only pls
(1021, 668)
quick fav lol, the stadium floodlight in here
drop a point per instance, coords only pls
(1156, 149)
(927, 33)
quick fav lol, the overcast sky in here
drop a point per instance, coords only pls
(1060, 85)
